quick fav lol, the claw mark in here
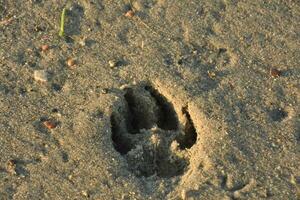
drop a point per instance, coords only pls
(167, 116)
(190, 135)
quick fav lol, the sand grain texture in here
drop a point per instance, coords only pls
(180, 100)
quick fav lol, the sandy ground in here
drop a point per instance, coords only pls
(175, 100)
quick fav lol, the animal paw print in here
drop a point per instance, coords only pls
(147, 132)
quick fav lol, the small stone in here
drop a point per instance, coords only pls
(275, 72)
(11, 167)
(41, 75)
(70, 177)
(112, 63)
(71, 62)
(129, 14)
(211, 75)
(50, 124)
(45, 47)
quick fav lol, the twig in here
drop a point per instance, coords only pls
(6, 21)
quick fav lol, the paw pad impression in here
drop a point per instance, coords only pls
(147, 132)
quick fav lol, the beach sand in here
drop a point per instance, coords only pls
(150, 99)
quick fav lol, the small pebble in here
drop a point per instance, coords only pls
(41, 75)
(11, 167)
(45, 47)
(71, 62)
(70, 177)
(50, 124)
(236, 195)
(112, 63)
(129, 14)
(275, 72)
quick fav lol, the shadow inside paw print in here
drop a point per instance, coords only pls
(147, 132)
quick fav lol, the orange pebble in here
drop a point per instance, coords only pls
(129, 14)
(70, 62)
(50, 124)
(44, 47)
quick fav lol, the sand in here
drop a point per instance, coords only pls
(173, 100)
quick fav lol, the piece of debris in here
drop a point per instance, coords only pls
(211, 74)
(50, 124)
(85, 193)
(275, 72)
(129, 14)
(11, 167)
(40, 76)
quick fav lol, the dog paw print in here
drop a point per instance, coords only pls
(147, 132)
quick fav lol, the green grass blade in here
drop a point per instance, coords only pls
(62, 23)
